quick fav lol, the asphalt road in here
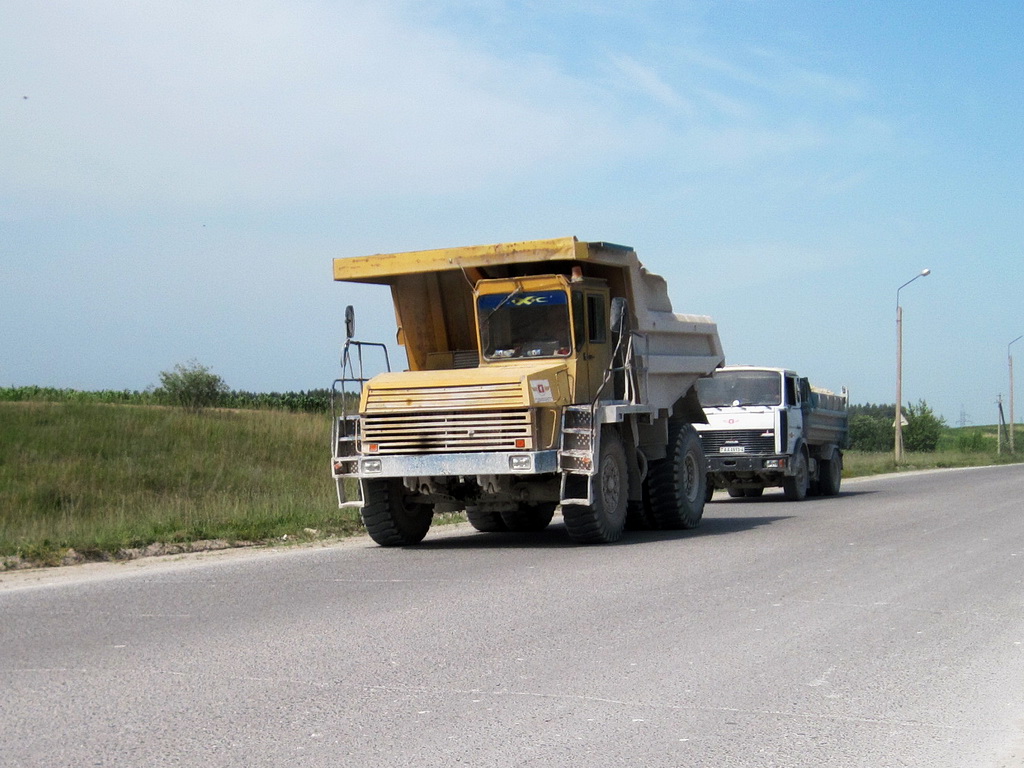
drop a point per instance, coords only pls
(884, 627)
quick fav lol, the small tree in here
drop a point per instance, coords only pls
(923, 428)
(973, 441)
(192, 386)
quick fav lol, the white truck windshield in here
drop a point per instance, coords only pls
(735, 388)
(524, 324)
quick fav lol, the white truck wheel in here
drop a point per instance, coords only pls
(831, 475)
(795, 486)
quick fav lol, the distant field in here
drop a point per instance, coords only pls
(96, 480)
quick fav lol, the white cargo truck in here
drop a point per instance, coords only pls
(768, 427)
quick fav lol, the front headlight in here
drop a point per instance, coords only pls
(520, 463)
(371, 466)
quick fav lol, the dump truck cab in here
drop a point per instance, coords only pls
(547, 317)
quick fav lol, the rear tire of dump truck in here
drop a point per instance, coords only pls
(389, 518)
(603, 521)
(485, 518)
(638, 515)
(831, 475)
(677, 484)
(529, 518)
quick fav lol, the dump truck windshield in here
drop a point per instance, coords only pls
(728, 388)
(524, 324)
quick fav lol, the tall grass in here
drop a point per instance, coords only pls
(100, 479)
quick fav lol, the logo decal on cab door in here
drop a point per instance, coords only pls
(542, 392)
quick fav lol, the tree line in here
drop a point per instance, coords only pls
(188, 385)
(873, 427)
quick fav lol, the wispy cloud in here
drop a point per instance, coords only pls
(742, 106)
(645, 80)
(270, 101)
(276, 100)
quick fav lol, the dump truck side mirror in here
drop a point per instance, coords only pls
(350, 321)
(619, 311)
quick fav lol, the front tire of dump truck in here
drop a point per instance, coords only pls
(389, 518)
(603, 521)
(678, 483)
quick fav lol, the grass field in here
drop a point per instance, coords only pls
(100, 479)
(860, 463)
(103, 481)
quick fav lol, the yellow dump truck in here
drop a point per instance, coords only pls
(542, 374)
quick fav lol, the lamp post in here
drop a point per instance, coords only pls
(1009, 359)
(899, 365)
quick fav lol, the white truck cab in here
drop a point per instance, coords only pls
(768, 427)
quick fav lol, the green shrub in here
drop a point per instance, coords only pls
(192, 386)
(871, 432)
(973, 441)
(923, 428)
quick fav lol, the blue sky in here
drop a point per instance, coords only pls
(176, 178)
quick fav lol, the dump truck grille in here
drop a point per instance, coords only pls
(729, 442)
(448, 432)
(473, 397)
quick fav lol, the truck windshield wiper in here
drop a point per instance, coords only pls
(515, 292)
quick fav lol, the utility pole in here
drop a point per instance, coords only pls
(898, 447)
(1011, 405)
(898, 423)
(1009, 358)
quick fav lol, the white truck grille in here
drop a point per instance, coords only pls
(737, 442)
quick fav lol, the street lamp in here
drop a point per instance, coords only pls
(1009, 359)
(899, 365)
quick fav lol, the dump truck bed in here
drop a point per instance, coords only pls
(827, 420)
(432, 292)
